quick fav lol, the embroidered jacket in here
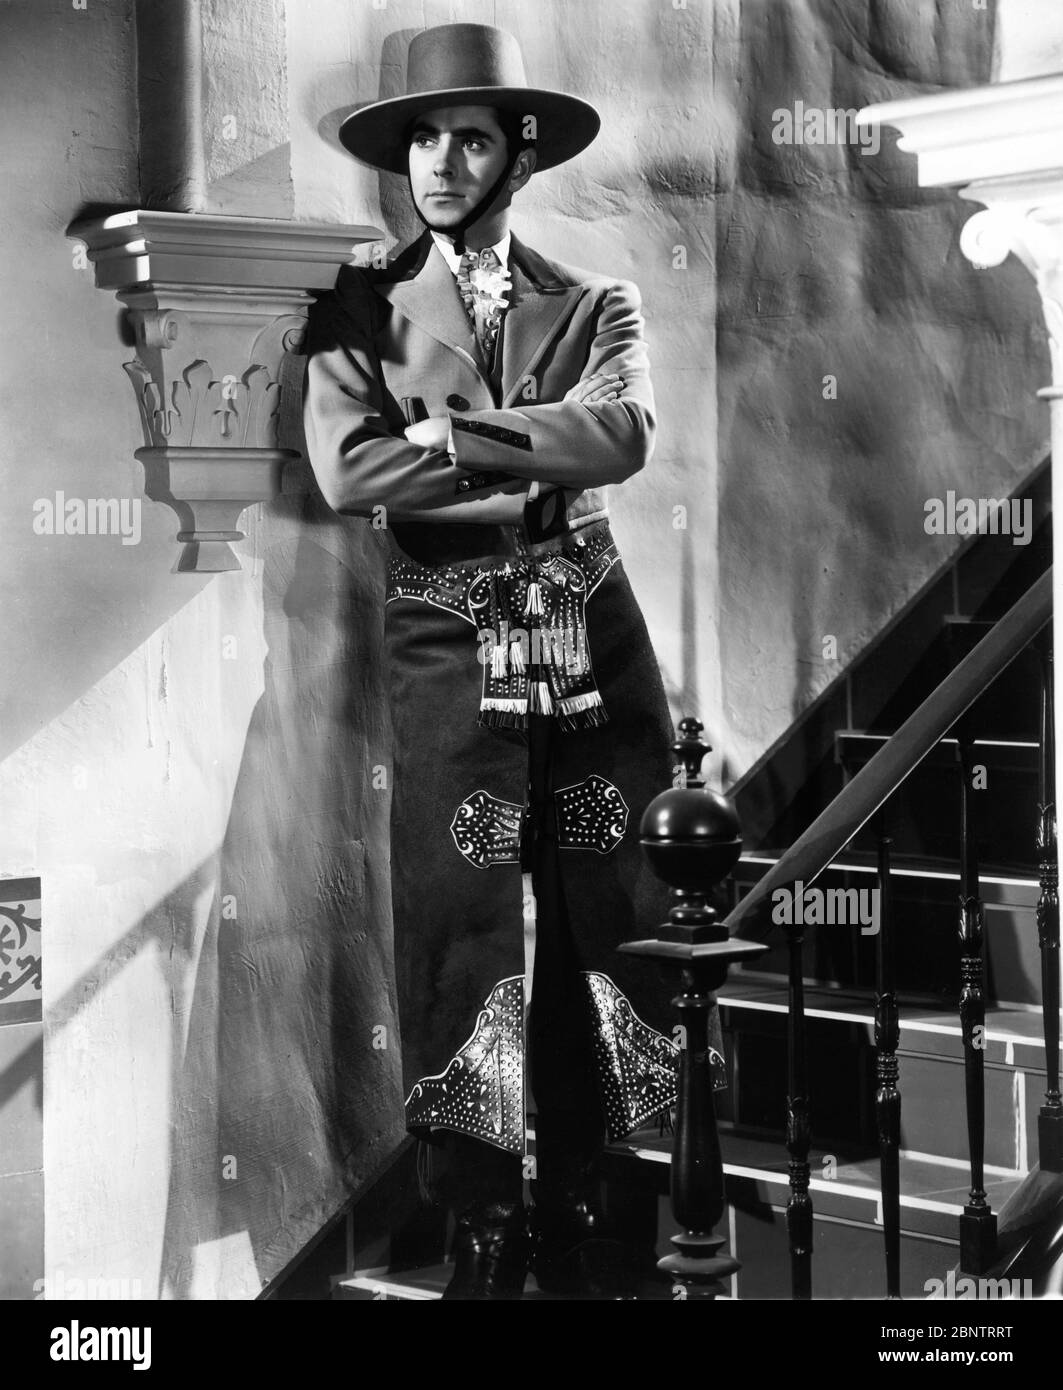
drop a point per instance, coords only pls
(377, 340)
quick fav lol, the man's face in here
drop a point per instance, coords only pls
(456, 154)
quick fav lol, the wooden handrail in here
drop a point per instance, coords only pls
(858, 801)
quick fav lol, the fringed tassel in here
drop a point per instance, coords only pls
(591, 716)
(499, 662)
(516, 655)
(503, 714)
(539, 701)
(573, 704)
(426, 1177)
(533, 604)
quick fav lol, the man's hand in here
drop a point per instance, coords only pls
(596, 388)
(430, 434)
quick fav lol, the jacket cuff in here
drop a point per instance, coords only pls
(476, 441)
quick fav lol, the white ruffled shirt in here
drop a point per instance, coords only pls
(453, 260)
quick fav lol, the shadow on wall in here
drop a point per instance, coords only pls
(285, 1093)
(293, 981)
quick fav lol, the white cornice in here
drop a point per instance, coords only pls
(144, 247)
(1008, 129)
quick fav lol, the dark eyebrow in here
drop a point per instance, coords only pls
(466, 131)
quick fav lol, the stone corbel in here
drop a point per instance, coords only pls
(218, 308)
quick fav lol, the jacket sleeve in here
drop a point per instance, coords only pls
(566, 442)
(359, 463)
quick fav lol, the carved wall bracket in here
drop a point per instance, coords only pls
(218, 307)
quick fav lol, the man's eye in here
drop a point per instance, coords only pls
(474, 144)
(422, 140)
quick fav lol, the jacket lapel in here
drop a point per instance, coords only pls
(431, 301)
(540, 306)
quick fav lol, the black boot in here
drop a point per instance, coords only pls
(575, 1251)
(490, 1253)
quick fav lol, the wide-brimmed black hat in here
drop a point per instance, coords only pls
(468, 65)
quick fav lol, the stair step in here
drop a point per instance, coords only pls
(991, 878)
(1014, 1036)
(840, 1043)
(933, 1190)
(854, 747)
(428, 1283)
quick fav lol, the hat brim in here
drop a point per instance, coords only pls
(566, 125)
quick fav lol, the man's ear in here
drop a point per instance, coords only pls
(522, 170)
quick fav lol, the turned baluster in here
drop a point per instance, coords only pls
(1050, 1118)
(887, 1095)
(690, 836)
(798, 1125)
(978, 1224)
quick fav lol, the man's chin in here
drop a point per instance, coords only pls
(442, 217)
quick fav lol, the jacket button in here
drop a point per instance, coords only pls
(456, 402)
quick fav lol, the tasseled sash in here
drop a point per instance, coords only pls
(531, 621)
(533, 634)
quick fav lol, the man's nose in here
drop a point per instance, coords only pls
(444, 160)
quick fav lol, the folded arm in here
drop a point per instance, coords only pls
(572, 443)
(358, 462)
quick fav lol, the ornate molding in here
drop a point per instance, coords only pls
(20, 951)
(217, 306)
(1004, 130)
(1005, 144)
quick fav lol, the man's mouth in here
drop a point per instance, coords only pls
(445, 196)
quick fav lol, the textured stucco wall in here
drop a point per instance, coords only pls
(832, 262)
(187, 760)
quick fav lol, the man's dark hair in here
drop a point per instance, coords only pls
(512, 126)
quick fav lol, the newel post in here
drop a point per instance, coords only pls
(690, 836)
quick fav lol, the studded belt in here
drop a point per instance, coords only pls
(530, 619)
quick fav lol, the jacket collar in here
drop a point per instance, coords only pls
(541, 303)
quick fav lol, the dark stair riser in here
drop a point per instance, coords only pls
(842, 1085)
(926, 943)
(848, 1242)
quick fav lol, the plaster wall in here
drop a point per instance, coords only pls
(188, 761)
(864, 365)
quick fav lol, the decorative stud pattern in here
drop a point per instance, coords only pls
(591, 815)
(534, 602)
(638, 1067)
(487, 830)
(481, 1093)
(496, 433)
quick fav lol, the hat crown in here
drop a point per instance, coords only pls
(454, 56)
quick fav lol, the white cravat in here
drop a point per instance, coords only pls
(453, 259)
